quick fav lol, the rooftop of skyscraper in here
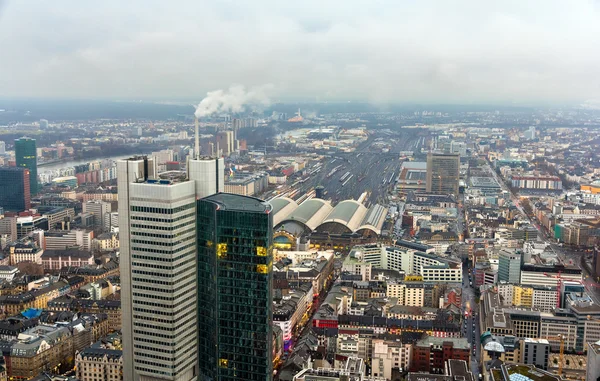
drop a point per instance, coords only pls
(227, 201)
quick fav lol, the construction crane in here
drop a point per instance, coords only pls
(558, 284)
(561, 356)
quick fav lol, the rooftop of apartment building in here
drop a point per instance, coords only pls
(457, 342)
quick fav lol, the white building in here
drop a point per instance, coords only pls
(63, 239)
(157, 223)
(388, 354)
(411, 262)
(99, 209)
(534, 275)
(593, 362)
(7, 273)
(95, 364)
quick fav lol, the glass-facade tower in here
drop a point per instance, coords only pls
(14, 189)
(26, 157)
(234, 288)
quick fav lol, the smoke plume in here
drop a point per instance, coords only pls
(236, 99)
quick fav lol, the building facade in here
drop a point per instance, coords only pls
(234, 288)
(158, 273)
(14, 189)
(509, 266)
(443, 173)
(26, 157)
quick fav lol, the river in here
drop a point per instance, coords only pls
(72, 163)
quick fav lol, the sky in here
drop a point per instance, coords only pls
(535, 51)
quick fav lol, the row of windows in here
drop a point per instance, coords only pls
(156, 243)
(163, 259)
(162, 220)
(164, 282)
(149, 209)
(138, 287)
(164, 236)
(159, 251)
(168, 298)
(178, 326)
(153, 266)
(161, 274)
(147, 333)
(157, 342)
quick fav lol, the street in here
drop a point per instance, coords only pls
(471, 329)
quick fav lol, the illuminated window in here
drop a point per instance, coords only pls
(261, 251)
(221, 250)
(263, 269)
(223, 363)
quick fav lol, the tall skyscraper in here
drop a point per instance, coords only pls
(26, 157)
(208, 175)
(14, 189)
(158, 274)
(234, 288)
(443, 173)
(225, 142)
(2, 147)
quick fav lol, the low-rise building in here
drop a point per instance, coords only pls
(431, 353)
(106, 242)
(57, 259)
(95, 363)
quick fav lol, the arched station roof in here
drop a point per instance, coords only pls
(311, 213)
(282, 207)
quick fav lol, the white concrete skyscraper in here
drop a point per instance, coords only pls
(157, 223)
(208, 174)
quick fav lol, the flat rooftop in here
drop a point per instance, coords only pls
(228, 201)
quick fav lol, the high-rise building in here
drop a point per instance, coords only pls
(225, 142)
(14, 189)
(509, 266)
(26, 157)
(2, 148)
(158, 274)
(234, 288)
(443, 173)
(98, 209)
(43, 124)
(208, 175)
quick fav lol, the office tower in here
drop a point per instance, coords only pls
(158, 274)
(225, 142)
(14, 189)
(43, 124)
(443, 171)
(26, 157)
(509, 266)
(98, 209)
(234, 288)
(208, 174)
(2, 148)
(530, 133)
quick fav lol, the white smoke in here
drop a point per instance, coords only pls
(236, 99)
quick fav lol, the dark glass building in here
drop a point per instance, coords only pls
(14, 189)
(234, 288)
(26, 157)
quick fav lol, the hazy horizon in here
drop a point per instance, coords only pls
(377, 52)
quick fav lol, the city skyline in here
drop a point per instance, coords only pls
(429, 52)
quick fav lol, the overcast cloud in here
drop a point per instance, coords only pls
(323, 50)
